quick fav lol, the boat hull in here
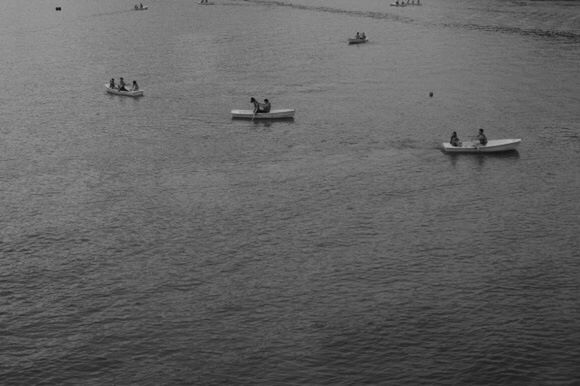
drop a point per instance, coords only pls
(273, 114)
(493, 146)
(123, 93)
(357, 41)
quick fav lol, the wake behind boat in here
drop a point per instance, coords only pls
(129, 93)
(492, 146)
(273, 114)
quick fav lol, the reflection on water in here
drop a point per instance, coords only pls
(481, 158)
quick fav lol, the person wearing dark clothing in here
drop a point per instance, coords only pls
(454, 141)
(481, 137)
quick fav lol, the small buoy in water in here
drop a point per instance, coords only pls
(431, 94)
(58, 8)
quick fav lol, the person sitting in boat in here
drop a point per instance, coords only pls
(357, 36)
(141, 5)
(122, 85)
(454, 141)
(112, 83)
(363, 36)
(135, 86)
(266, 106)
(257, 107)
(481, 137)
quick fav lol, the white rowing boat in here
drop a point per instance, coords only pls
(405, 4)
(357, 41)
(137, 8)
(492, 146)
(130, 93)
(273, 114)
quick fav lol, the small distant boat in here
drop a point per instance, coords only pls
(129, 93)
(139, 8)
(404, 4)
(273, 114)
(358, 40)
(492, 146)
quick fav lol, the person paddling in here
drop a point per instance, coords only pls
(258, 107)
(254, 102)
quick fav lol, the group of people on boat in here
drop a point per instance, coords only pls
(122, 86)
(402, 3)
(260, 107)
(140, 6)
(360, 36)
(454, 141)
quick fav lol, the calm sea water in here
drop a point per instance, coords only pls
(158, 242)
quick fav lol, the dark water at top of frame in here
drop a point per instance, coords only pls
(156, 241)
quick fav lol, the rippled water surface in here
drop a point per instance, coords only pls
(157, 241)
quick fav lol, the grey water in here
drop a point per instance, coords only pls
(156, 241)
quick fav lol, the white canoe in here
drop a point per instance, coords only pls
(124, 93)
(357, 41)
(273, 114)
(493, 146)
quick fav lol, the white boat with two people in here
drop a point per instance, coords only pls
(358, 39)
(492, 146)
(273, 114)
(263, 111)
